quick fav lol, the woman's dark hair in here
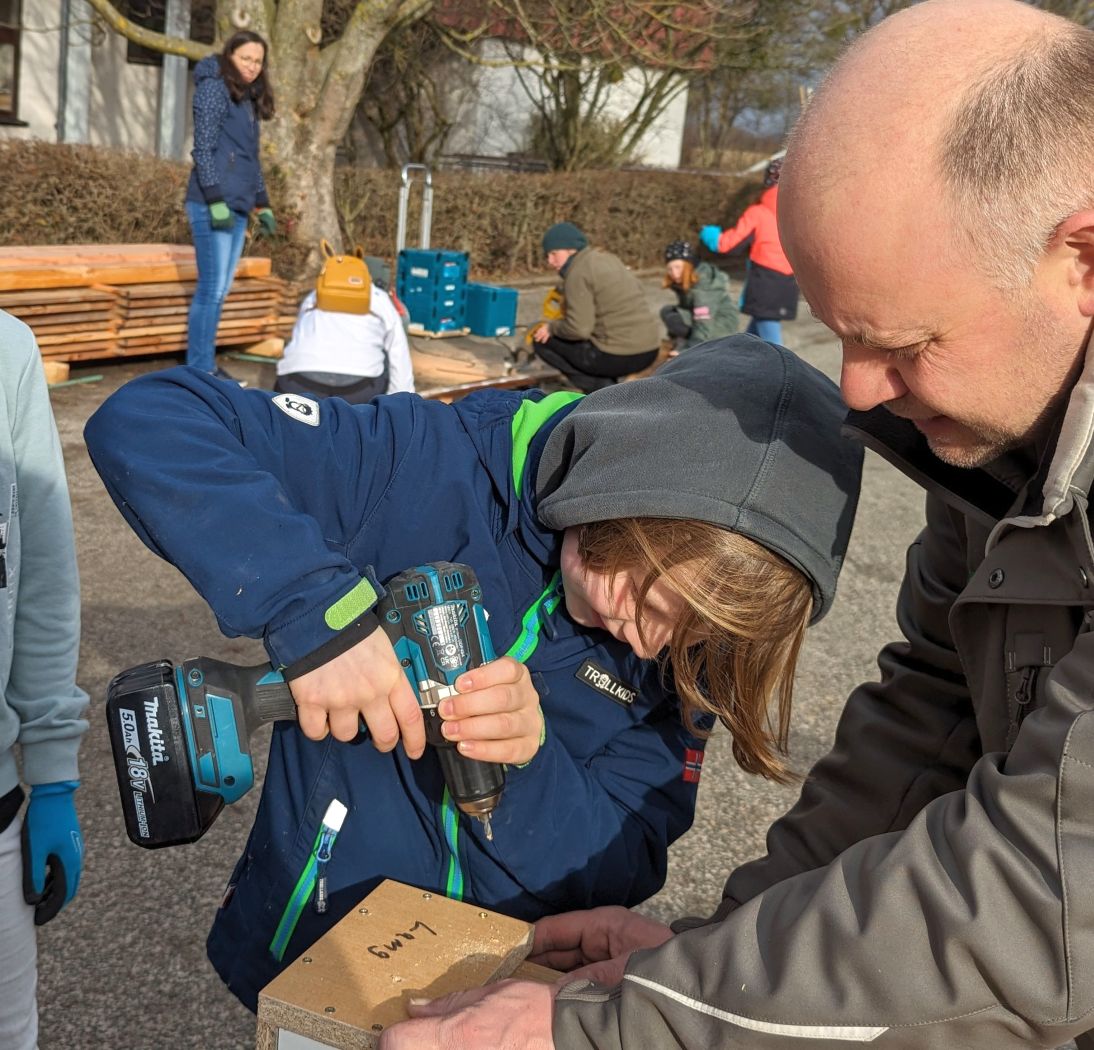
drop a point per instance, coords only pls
(260, 90)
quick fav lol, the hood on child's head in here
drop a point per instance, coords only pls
(736, 432)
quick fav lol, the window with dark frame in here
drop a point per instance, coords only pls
(9, 60)
(150, 14)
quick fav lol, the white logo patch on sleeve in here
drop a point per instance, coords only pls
(302, 409)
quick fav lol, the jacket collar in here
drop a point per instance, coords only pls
(981, 494)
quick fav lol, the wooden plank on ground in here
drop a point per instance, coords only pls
(21, 276)
(91, 254)
(513, 381)
(272, 347)
(57, 295)
(399, 943)
(56, 371)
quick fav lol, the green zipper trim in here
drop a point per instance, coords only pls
(527, 421)
(298, 901)
(450, 822)
(521, 649)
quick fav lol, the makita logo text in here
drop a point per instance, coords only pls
(604, 682)
(155, 734)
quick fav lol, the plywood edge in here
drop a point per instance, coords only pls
(399, 943)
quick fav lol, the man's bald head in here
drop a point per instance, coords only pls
(976, 116)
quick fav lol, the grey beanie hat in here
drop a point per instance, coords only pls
(735, 432)
(564, 235)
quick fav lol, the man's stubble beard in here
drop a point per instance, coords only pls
(1039, 328)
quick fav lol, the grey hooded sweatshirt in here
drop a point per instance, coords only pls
(931, 890)
(763, 456)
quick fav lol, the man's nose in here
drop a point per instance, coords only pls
(867, 379)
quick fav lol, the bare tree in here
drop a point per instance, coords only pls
(319, 58)
(572, 56)
(414, 90)
(793, 43)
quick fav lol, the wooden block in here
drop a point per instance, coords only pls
(399, 943)
(56, 371)
(513, 381)
(530, 971)
(273, 346)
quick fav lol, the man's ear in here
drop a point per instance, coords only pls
(1076, 236)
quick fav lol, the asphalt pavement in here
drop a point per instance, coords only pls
(124, 966)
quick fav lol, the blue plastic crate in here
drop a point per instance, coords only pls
(491, 309)
(421, 270)
(436, 311)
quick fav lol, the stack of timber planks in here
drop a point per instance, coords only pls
(87, 302)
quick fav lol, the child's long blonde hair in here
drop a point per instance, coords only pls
(746, 605)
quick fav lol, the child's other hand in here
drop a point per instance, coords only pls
(366, 682)
(542, 333)
(496, 717)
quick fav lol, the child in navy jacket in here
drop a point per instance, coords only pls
(650, 556)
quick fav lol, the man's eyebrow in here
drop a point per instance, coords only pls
(896, 339)
(871, 337)
(886, 340)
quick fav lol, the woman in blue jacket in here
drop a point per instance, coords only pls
(649, 555)
(232, 93)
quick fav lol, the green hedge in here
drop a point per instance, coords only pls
(85, 195)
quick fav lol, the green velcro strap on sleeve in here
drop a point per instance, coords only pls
(350, 606)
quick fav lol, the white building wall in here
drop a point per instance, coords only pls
(124, 98)
(661, 143)
(497, 117)
(39, 58)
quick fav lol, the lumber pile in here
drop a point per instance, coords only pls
(86, 302)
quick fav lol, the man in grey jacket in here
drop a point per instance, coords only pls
(934, 886)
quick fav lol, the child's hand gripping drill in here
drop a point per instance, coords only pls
(180, 734)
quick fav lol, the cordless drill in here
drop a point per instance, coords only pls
(180, 735)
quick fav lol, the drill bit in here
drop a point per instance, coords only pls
(485, 818)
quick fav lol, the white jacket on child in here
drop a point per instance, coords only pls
(350, 344)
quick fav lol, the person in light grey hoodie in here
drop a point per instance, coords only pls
(41, 707)
(931, 890)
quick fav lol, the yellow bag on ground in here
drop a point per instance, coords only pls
(553, 306)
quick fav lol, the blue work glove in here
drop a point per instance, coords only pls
(267, 221)
(53, 849)
(709, 235)
(220, 216)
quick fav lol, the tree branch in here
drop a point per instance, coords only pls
(169, 45)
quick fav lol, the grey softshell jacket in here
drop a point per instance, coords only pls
(933, 888)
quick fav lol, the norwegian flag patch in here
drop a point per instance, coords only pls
(693, 765)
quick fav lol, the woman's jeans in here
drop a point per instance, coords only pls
(768, 331)
(217, 253)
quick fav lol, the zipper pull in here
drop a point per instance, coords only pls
(1023, 693)
(328, 832)
(322, 857)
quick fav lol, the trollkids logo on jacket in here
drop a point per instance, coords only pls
(605, 682)
(302, 409)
